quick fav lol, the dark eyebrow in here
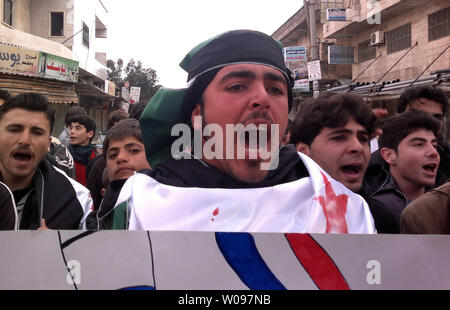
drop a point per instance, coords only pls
(346, 131)
(132, 144)
(275, 77)
(237, 74)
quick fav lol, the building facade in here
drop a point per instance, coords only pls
(396, 44)
(70, 34)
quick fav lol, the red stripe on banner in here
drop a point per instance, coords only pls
(317, 263)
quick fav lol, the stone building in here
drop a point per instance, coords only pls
(63, 42)
(397, 44)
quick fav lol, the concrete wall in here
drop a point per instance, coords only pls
(86, 12)
(40, 19)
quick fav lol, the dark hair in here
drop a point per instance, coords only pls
(332, 110)
(431, 93)
(32, 102)
(105, 178)
(72, 112)
(397, 128)
(124, 128)
(4, 94)
(86, 121)
(115, 117)
(137, 109)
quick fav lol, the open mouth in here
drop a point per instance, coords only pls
(22, 156)
(430, 168)
(352, 169)
(254, 139)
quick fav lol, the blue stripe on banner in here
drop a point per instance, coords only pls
(138, 288)
(239, 250)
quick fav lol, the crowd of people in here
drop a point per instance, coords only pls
(321, 174)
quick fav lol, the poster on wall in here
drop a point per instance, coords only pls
(314, 71)
(18, 60)
(60, 68)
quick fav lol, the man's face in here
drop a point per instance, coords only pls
(245, 94)
(416, 160)
(429, 106)
(79, 135)
(343, 152)
(124, 157)
(24, 140)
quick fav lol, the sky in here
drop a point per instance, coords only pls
(161, 32)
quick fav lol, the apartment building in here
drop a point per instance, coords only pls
(62, 48)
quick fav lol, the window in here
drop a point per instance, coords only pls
(366, 51)
(57, 24)
(398, 39)
(7, 11)
(85, 35)
(439, 24)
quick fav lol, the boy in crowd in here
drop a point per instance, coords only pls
(124, 152)
(64, 136)
(82, 130)
(334, 130)
(410, 161)
(93, 182)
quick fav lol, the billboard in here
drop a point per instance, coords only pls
(55, 67)
(295, 53)
(18, 60)
(337, 14)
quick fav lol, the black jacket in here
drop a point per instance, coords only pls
(382, 194)
(54, 197)
(7, 209)
(195, 173)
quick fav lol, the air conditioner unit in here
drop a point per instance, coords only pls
(377, 38)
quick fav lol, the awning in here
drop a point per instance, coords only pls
(89, 90)
(55, 91)
(393, 90)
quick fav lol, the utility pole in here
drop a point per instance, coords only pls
(310, 8)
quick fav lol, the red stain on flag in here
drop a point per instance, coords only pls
(334, 207)
(215, 213)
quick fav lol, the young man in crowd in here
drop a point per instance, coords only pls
(237, 79)
(42, 195)
(433, 101)
(82, 131)
(124, 153)
(410, 161)
(428, 214)
(334, 130)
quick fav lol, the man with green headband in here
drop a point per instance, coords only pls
(217, 157)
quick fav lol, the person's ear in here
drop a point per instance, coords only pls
(196, 112)
(90, 134)
(303, 148)
(389, 155)
(103, 191)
